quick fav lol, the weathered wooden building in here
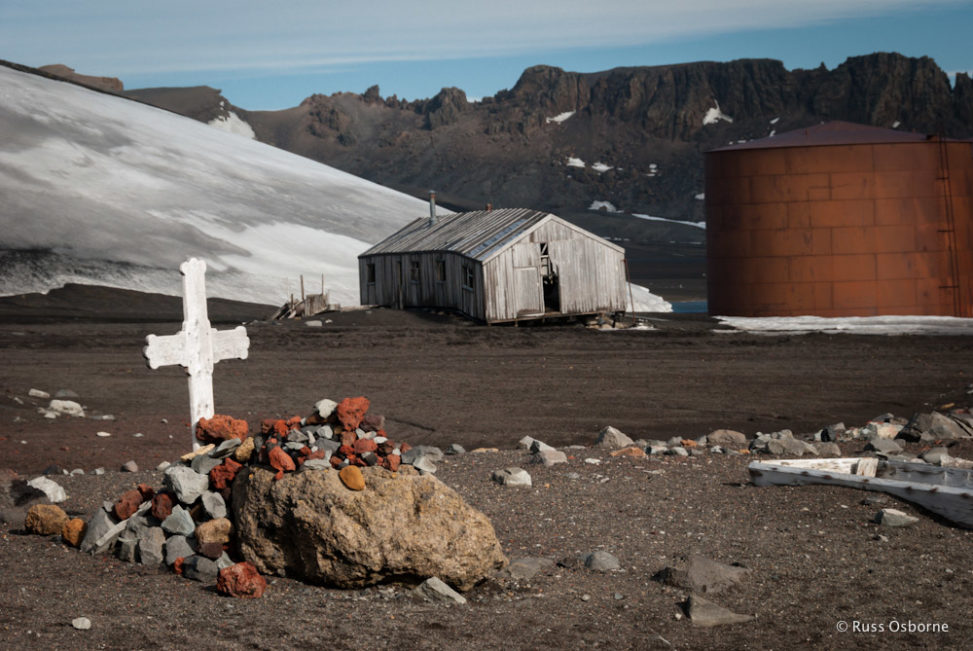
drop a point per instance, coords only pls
(496, 266)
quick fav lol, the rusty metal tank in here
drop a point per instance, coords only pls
(840, 219)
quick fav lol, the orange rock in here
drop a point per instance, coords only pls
(362, 446)
(242, 581)
(689, 443)
(348, 438)
(280, 461)
(177, 565)
(45, 519)
(351, 411)
(162, 505)
(220, 428)
(352, 478)
(393, 461)
(73, 531)
(631, 451)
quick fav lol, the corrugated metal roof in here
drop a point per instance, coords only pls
(475, 235)
(831, 133)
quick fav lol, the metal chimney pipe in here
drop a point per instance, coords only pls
(432, 207)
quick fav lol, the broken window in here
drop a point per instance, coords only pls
(370, 273)
(414, 271)
(467, 276)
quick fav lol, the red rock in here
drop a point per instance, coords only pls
(220, 428)
(336, 461)
(177, 565)
(393, 461)
(348, 438)
(351, 411)
(146, 491)
(386, 448)
(162, 505)
(242, 581)
(127, 504)
(404, 447)
(281, 462)
(222, 475)
(352, 459)
(317, 454)
(73, 531)
(267, 425)
(373, 422)
(365, 445)
(345, 450)
(293, 422)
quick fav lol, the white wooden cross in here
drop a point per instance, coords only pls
(197, 346)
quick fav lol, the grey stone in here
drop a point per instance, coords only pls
(199, 568)
(700, 574)
(550, 457)
(727, 438)
(66, 394)
(137, 524)
(942, 426)
(526, 442)
(328, 446)
(202, 465)
(185, 482)
(601, 561)
(67, 408)
(883, 446)
(130, 466)
(297, 436)
(431, 451)
(675, 441)
(214, 505)
(613, 439)
(371, 459)
(895, 518)
(177, 547)
(54, 491)
(325, 407)
(786, 446)
(527, 567)
(313, 323)
(224, 561)
(828, 449)
(455, 448)
(99, 524)
(81, 623)
(512, 477)
(656, 447)
(316, 464)
(179, 522)
(293, 445)
(37, 393)
(538, 446)
(705, 613)
(151, 544)
(434, 589)
(424, 464)
(126, 548)
(678, 451)
(226, 448)
(935, 456)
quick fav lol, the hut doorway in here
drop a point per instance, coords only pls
(552, 288)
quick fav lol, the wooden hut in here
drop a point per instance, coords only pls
(496, 266)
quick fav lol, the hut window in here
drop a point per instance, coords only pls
(467, 276)
(370, 273)
(414, 271)
(440, 271)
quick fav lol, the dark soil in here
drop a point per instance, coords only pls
(814, 552)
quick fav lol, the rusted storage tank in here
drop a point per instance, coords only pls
(840, 219)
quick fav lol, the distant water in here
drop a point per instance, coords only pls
(689, 307)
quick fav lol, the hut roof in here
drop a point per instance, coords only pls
(831, 133)
(477, 235)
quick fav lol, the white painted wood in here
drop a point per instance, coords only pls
(945, 491)
(197, 347)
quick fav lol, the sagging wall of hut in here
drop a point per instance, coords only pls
(841, 230)
(432, 279)
(590, 275)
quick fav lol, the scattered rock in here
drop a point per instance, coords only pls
(549, 457)
(455, 449)
(935, 456)
(895, 518)
(433, 589)
(54, 492)
(221, 428)
(601, 561)
(829, 449)
(241, 581)
(179, 522)
(883, 446)
(705, 613)
(527, 567)
(632, 451)
(727, 438)
(400, 524)
(176, 547)
(37, 393)
(185, 482)
(73, 531)
(700, 574)
(214, 531)
(151, 544)
(512, 477)
(66, 408)
(613, 439)
(199, 568)
(45, 519)
(81, 623)
(214, 505)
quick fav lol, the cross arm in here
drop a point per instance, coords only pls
(165, 351)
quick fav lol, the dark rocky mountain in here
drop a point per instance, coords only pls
(638, 132)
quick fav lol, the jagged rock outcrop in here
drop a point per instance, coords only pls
(111, 84)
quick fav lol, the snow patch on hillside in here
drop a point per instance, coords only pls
(575, 162)
(601, 167)
(559, 118)
(234, 124)
(642, 300)
(673, 221)
(607, 205)
(714, 115)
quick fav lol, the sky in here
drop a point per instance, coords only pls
(268, 56)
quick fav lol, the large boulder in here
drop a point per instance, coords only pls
(310, 526)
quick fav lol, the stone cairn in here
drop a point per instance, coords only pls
(187, 525)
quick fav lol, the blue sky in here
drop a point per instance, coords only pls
(267, 55)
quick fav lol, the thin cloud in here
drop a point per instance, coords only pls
(125, 37)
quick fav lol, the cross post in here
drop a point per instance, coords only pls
(197, 347)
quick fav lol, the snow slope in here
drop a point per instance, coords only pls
(101, 190)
